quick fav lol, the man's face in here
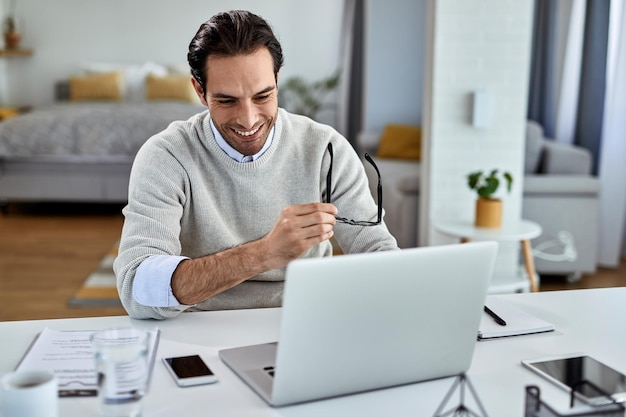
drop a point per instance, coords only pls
(242, 96)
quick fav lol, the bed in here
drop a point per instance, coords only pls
(80, 150)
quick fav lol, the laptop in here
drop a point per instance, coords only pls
(361, 322)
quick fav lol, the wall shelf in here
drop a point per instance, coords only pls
(15, 53)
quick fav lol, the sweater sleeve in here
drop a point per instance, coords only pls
(157, 195)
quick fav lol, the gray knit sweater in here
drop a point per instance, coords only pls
(188, 197)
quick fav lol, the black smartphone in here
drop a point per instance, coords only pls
(189, 370)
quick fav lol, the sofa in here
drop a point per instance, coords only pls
(559, 192)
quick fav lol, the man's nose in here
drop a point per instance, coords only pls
(247, 116)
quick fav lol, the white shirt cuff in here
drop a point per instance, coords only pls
(153, 281)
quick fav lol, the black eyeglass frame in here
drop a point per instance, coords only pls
(379, 192)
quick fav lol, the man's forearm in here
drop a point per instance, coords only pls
(298, 229)
(195, 280)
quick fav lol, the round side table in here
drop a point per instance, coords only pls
(522, 231)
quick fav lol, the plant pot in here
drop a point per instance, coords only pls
(12, 39)
(488, 213)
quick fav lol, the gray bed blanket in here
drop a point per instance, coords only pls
(89, 129)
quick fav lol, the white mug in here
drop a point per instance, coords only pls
(29, 394)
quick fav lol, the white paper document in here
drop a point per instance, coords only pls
(518, 322)
(70, 355)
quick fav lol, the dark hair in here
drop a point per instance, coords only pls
(237, 32)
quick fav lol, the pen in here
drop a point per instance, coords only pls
(497, 318)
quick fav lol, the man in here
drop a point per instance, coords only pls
(221, 203)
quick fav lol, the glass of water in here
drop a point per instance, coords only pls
(122, 366)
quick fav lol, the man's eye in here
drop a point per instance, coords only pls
(263, 97)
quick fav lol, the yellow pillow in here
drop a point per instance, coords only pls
(400, 142)
(105, 86)
(171, 87)
(8, 112)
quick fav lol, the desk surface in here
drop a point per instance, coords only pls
(590, 321)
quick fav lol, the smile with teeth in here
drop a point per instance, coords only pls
(250, 133)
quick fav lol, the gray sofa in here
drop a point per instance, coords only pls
(559, 193)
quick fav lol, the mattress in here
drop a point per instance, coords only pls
(89, 129)
(79, 151)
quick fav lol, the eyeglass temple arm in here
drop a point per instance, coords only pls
(379, 189)
(371, 161)
(329, 176)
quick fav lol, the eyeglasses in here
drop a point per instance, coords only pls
(380, 193)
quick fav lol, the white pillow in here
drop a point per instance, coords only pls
(134, 84)
(179, 69)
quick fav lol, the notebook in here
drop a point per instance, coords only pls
(518, 321)
(360, 322)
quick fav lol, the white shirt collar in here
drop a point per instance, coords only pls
(235, 154)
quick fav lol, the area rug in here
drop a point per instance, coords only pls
(99, 289)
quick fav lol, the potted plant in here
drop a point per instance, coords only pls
(308, 99)
(486, 184)
(10, 32)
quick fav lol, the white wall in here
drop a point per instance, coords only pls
(394, 62)
(482, 44)
(65, 33)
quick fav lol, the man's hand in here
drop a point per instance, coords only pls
(298, 229)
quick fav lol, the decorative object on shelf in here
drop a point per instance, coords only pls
(10, 30)
(460, 410)
(308, 99)
(15, 53)
(488, 209)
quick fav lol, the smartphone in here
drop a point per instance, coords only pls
(189, 370)
(567, 371)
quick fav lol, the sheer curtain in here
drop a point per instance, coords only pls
(590, 97)
(352, 72)
(571, 42)
(613, 150)
(542, 62)
(593, 79)
(582, 81)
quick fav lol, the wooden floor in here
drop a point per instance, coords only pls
(47, 251)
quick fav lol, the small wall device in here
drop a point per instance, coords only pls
(481, 109)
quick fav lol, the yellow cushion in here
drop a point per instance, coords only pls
(106, 86)
(400, 142)
(8, 112)
(171, 87)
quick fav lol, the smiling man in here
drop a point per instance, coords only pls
(219, 204)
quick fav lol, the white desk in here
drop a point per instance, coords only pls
(590, 321)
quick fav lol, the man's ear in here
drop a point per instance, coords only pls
(199, 91)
